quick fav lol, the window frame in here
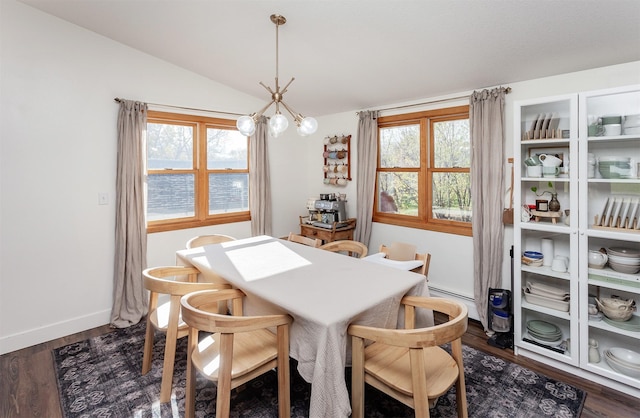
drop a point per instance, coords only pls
(199, 170)
(426, 170)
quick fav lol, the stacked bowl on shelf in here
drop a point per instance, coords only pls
(611, 167)
(624, 260)
(532, 258)
(623, 361)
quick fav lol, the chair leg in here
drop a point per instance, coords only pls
(284, 394)
(170, 350)
(190, 397)
(419, 380)
(461, 390)
(148, 339)
(223, 401)
(357, 377)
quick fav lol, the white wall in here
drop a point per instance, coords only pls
(58, 139)
(58, 150)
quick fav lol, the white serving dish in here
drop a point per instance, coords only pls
(626, 356)
(547, 291)
(560, 305)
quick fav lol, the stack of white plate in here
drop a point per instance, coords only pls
(624, 260)
(632, 124)
(623, 361)
(544, 332)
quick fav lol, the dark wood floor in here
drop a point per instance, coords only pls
(28, 384)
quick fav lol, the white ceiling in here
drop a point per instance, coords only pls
(360, 54)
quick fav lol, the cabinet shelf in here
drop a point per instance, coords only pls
(546, 226)
(614, 280)
(546, 271)
(603, 369)
(610, 328)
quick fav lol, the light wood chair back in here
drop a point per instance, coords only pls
(175, 281)
(300, 239)
(352, 248)
(424, 257)
(201, 240)
(408, 364)
(242, 347)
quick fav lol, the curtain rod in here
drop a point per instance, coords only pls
(449, 99)
(118, 99)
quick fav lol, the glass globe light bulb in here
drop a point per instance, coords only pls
(301, 132)
(246, 125)
(308, 125)
(278, 123)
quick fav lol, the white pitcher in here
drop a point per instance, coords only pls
(549, 160)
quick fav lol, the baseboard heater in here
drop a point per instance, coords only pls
(470, 302)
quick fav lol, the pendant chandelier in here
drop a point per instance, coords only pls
(277, 123)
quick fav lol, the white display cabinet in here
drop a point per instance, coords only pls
(589, 225)
(551, 226)
(611, 226)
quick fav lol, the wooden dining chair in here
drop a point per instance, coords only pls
(240, 349)
(175, 281)
(352, 248)
(408, 364)
(201, 240)
(300, 239)
(404, 252)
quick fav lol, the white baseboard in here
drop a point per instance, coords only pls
(471, 304)
(50, 332)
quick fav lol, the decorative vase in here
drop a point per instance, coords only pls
(554, 205)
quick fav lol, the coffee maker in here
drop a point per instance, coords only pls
(327, 210)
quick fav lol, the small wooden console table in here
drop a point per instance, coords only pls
(334, 233)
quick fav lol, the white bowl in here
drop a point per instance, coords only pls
(620, 362)
(613, 159)
(629, 261)
(623, 252)
(626, 356)
(621, 368)
(622, 268)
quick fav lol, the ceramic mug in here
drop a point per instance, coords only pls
(558, 264)
(531, 161)
(550, 171)
(534, 171)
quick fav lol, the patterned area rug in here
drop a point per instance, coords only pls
(100, 377)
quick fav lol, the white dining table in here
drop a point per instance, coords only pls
(323, 291)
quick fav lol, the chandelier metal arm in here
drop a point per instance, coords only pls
(306, 126)
(297, 117)
(259, 113)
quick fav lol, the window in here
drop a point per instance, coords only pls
(423, 175)
(197, 172)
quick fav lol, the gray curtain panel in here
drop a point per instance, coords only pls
(367, 161)
(259, 180)
(486, 119)
(129, 297)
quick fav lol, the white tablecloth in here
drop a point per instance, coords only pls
(323, 291)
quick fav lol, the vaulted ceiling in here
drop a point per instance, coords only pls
(359, 54)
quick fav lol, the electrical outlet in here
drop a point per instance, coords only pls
(103, 198)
